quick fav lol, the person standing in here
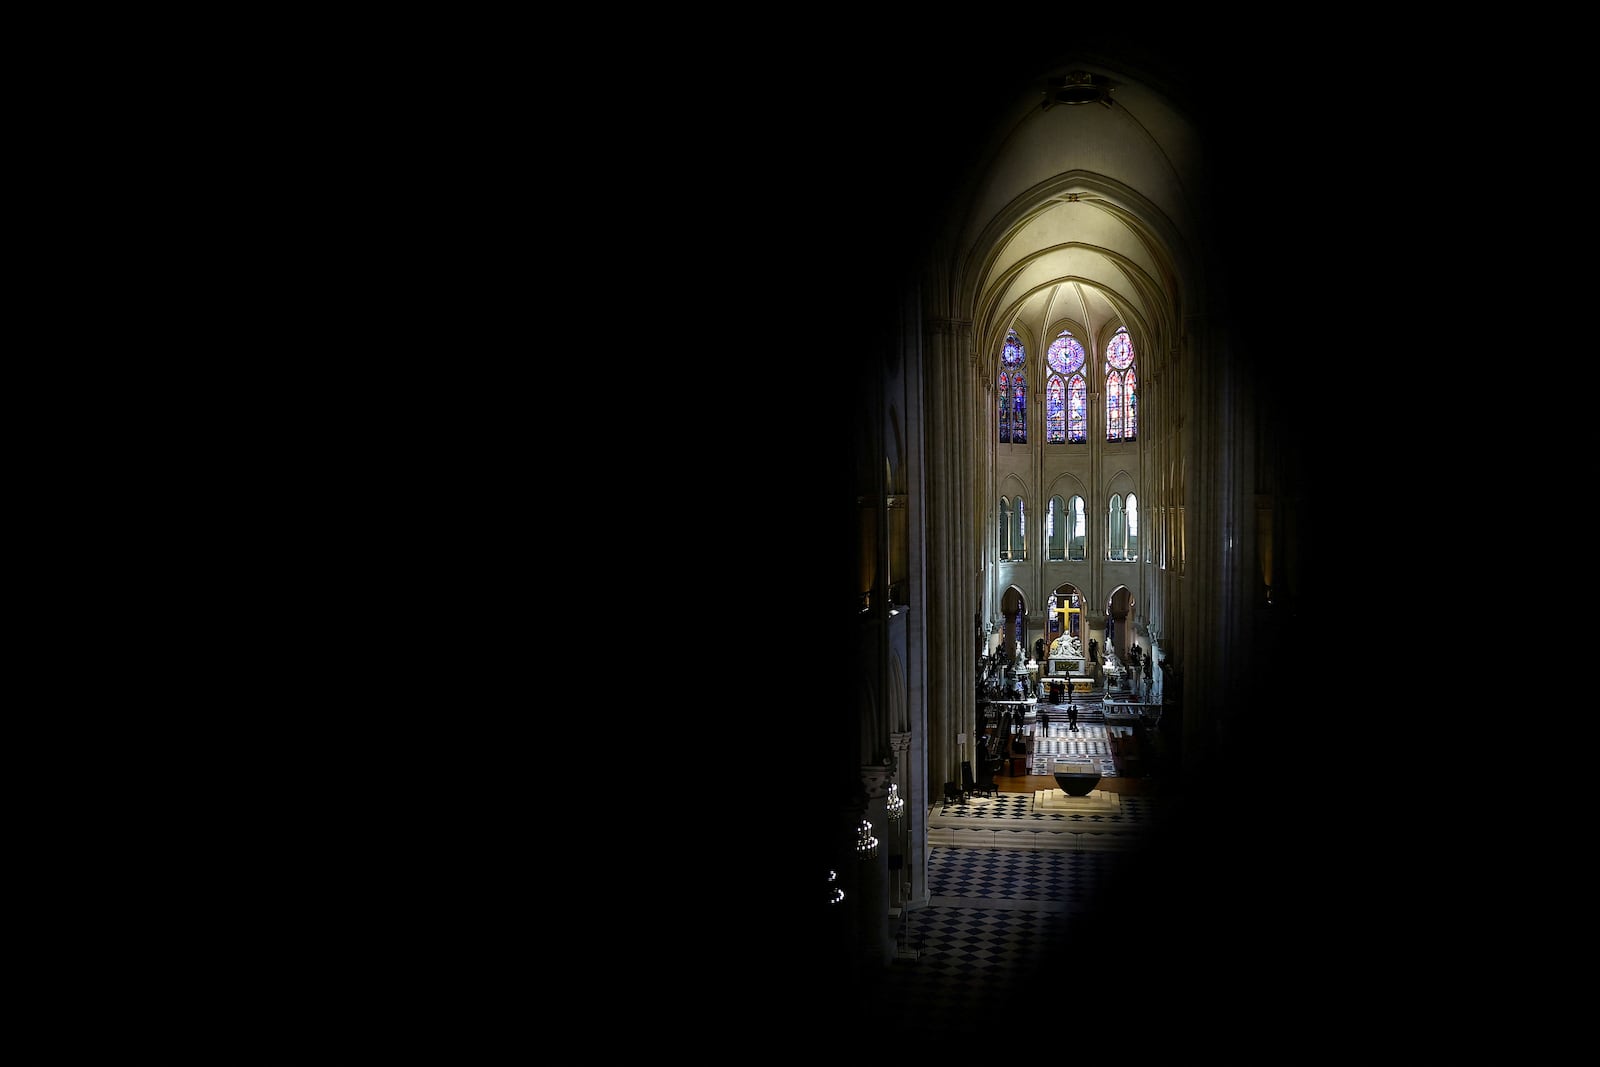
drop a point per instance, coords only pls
(1072, 716)
(1044, 720)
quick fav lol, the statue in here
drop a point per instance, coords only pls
(1066, 647)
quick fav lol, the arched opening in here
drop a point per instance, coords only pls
(1119, 636)
(1065, 668)
(1014, 630)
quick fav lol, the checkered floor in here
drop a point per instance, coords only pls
(998, 930)
(1134, 811)
(1043, 880)
(997, 921)
(1088, 740)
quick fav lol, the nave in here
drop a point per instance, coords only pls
(1038, 914)
(1016, 899)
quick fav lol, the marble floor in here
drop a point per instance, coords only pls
(1015, 883)
(996, 921)
(1016, 880)
(1085, 925)
(1044, 819)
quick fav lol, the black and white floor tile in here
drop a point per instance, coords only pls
(1043, 880)
(999, 923)
(995, 922)
(1086, 741)
(1131, 811)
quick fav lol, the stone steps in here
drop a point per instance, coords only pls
(1046, 820)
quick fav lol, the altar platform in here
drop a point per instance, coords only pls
(1074, 684)
(1094, 803)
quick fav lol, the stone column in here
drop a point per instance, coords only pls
(914, 788)
(950, 671)
(877, 941)
(898, 835)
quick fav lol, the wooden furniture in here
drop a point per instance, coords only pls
(970, 785)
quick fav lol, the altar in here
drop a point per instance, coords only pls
(1057, 687)
(1066, 657)
(1066, 665)
(1076, 780)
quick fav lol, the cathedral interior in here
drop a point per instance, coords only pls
(1044, 553)
(1079, 386)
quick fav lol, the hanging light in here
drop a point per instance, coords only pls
(897, 806)
(835, 894)
(866, 844)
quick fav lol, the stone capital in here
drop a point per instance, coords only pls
(875, 779)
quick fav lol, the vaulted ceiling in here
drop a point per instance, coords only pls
(1086, 214)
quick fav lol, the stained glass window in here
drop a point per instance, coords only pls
(1077, 410)
(1005, 408)
(1066, 354)
(1012, 354)
(1012, 388)
(1055, 411)
(1130, 417)
(1113, 406)
(1122, 380)
(1065, 357)
(1119, 353)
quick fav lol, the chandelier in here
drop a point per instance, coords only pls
(835, 894)
(897, 806)
(866, 844)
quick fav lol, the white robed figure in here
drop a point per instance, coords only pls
(1066, 647)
